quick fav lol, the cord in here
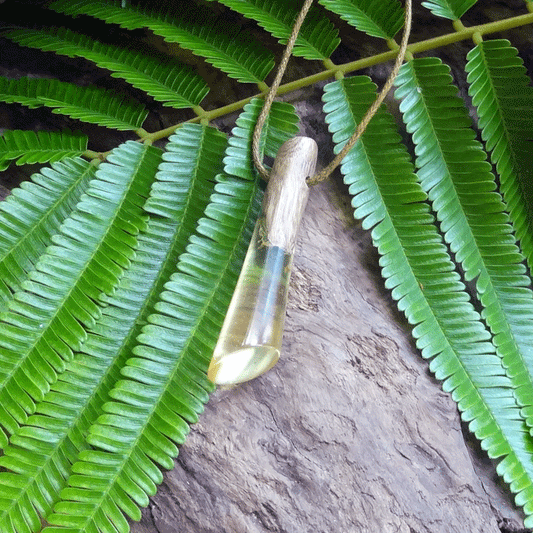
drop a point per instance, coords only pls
(361, 127)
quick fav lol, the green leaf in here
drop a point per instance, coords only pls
(501, 91)
(317, 39)
(417, 268)
(449, 9)
(165, 80)
(59, 430)
(378, 18)
(32, 214)
(88, 104)
(220, 42)
(48, 317)
(27, 147)
(454, 172)
(192, 153)
(141, 427)
(278, 127)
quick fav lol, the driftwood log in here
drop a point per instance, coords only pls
(348, 433)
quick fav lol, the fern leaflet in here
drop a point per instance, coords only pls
(501, 92)
(182, 165)
(28, 147)
(449, 9)
(379, 18)
(317, 39)
(88, 104)
(221, 43)
(418, 270)
(459, 182)
(166, 81)
(47, 319)
(63, 418)
(32, 214)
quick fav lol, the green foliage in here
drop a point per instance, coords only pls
(166, 81)
(418, 269)
(116, 273)
(454, 172)
(32, 214)
(450, 9)
(75, 400)
(88, 104)
(47, 317)
(39, 147)
(378, 18)
(317, 39)
(219, 42)
(501, 91)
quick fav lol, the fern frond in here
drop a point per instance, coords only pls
(422, 277)
(501, 91)
(59, 429)
(221, 43)
(47, 319)
(449, 9)
(317, 39)
(27, 147)
(454, 172)
(378, 18)
(168, 371)
(32, 214)
(166, 81)
(88, 104)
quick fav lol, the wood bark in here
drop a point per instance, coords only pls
(348, 433)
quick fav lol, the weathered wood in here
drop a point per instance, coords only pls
(287, 192)
(347, 433)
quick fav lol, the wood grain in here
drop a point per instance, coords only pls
(287, 191)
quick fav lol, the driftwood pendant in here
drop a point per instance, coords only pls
(250, 339)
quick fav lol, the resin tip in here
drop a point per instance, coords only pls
(242, 365)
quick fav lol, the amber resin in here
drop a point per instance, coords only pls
(250, 340)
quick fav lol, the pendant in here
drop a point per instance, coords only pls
(250, 340)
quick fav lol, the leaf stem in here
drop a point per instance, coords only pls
(335, 71)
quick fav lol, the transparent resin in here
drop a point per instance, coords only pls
(250, 339)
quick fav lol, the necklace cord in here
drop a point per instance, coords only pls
(361, 127)
(274, 89)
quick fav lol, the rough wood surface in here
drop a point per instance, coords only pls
(348, 433)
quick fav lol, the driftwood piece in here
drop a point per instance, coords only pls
(348, 433)
(287, 192)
